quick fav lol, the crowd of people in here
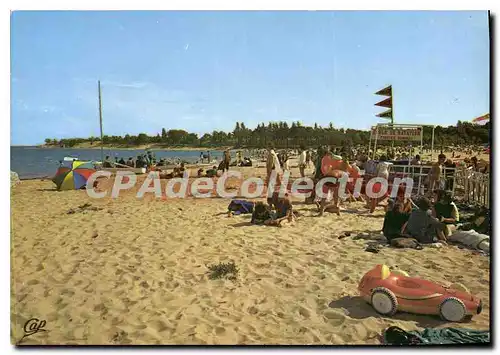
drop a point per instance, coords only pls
(426, 220)
(431, 218)
(141, 161)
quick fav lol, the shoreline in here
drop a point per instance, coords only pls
(140, 147)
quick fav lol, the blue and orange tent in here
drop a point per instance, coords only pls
(74, 177)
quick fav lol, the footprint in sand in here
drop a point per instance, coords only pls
(304, 312)
(253, 310)
(220, 330)
(315, 287)
(334, 317)
(160, 326)
(300, 271)
(280, 315)
(66, 292)
(286, 270)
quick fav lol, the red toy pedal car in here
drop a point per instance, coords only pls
(389, 292)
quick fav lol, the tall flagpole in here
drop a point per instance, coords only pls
(392, 116)
(100, 120)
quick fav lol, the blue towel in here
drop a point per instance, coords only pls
(240, 206)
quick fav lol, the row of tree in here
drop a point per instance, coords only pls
(282, 135)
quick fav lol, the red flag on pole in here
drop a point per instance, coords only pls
(385, 91)
(385, 103)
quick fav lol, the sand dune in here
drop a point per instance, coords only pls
(135, 272)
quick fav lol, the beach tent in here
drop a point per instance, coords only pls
(74, 177)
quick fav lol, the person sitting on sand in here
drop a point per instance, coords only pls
(122, 162)
(180, 171)
(423, 226)
(107, 162)
(262, 214)
(221, 165)
(211, 172)
(282, 205)
(394, 221)
(200, 172)
(446, 211)
(407, 202)
(130, 162)
(165, 175)
(140, 162)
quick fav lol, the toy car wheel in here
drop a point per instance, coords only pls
(384, 301)
(452, 310)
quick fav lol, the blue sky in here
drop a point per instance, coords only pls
(202, 71)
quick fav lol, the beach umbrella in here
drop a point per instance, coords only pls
(75, 177)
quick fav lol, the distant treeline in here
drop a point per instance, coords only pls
(281, 135)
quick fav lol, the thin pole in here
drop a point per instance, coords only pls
(432, 145)
(392, 114)
(422, 140)
(370, 141)
(100, 120)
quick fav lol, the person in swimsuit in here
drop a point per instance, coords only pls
(436, 173)
(333, 188)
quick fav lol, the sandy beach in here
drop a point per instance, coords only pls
(133, 271)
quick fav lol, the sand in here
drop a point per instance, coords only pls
(135, 272)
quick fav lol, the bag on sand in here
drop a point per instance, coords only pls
(405, 243)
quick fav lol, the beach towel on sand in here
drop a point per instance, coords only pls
(433, 336)
(472, 239)
(240, 206)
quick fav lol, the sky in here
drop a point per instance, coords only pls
(203, 71)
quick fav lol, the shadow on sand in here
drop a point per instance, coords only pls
(356, 307)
